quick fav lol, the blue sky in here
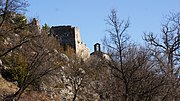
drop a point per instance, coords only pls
(89, 15)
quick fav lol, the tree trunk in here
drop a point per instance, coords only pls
(74, 98)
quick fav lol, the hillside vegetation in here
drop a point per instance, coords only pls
(34, 66)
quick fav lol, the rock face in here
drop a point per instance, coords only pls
(70, 36)
(47, 93)
(6, 87)
(56, 86)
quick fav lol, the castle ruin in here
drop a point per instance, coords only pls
(70, 36)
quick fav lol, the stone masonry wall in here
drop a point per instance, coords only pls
(68, 35)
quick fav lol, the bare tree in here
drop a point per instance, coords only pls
(133, 77)
(41, 56)
(77, 76)
(166, 53)
(7, 7)
(13, 34)
(118, 37)
(99, 75)
(116, 43)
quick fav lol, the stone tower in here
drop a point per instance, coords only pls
(70, 36)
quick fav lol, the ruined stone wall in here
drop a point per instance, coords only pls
(65, 35)
(81, 49)
(68, 35)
